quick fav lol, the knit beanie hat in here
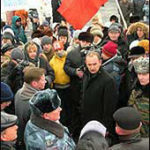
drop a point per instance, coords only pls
(7, 120)
(17, 54)
(45, 23)
(46, 40)
(127, 118)
(144, 44)
(63, 31)
(114, 28)
(6, 93)
(93, 126)
(8, 35)
(44, 101)
(136, 52)
(96, 31)
(8, 30)
(110, 49)
(6, 47)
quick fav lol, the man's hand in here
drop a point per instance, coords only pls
(79, 73)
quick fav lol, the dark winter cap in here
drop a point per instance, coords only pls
(37, 34)
(6, 93)
(127, 118)
(134, 19)
(6, 47)
(136, 52)
(86, 36)
(7, 120)
(17, 54)
(110, 49)
(45, 101)
(62, 31)
(45, 23)
(114, 28)
(46, 40)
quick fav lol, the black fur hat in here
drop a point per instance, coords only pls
(45, 101)
(63, 31)
(134, 19)
(86, 36)
(37, 34)
(136, 52)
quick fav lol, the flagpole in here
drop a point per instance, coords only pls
(121, 14)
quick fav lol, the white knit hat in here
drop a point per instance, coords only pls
(93, 126)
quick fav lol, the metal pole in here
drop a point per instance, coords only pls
(122, 17)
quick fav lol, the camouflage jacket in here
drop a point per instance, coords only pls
(41, 138)
(140, 100)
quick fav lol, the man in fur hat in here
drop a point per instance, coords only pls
(50, 133)
(139, 97)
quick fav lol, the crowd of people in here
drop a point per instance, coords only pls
(70, 89)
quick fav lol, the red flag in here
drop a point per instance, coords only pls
(79, 12)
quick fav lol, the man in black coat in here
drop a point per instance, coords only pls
(74, 68)
(99, 93)
(128, 125)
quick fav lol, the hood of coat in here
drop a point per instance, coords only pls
(26, 55)
(14, 19)
(133, 28)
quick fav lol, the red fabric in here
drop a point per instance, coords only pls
(79, 12)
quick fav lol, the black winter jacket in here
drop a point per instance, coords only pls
(99, 98)
(132, 142)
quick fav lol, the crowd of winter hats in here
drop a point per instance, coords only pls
(44, 101)
(141, 65)
(110, 49)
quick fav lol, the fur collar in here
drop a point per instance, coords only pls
(51, 126)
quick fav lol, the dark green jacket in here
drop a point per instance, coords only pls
(18, 31)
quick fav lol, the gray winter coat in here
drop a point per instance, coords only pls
(22, 109)
(42, 134)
